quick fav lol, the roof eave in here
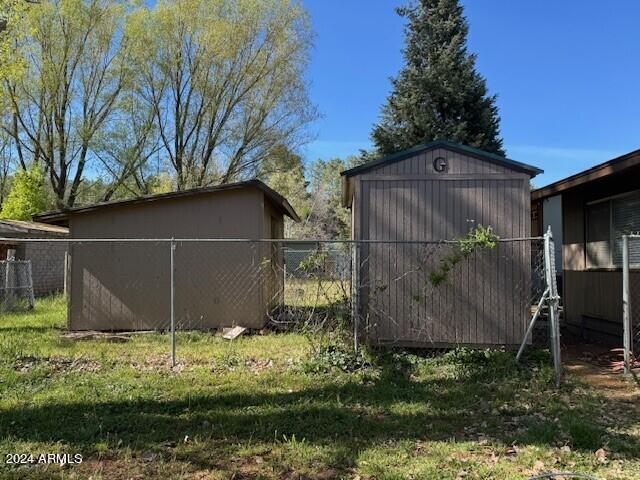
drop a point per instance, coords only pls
(597, 172)
(396, 157)
(61, 217)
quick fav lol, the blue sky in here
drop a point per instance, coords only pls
(566, 74)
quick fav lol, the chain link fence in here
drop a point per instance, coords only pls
(434, 294)
(16, 285)
(417, 294)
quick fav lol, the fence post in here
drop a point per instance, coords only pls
(173, 306)
(32, 296)
(355, 300)
(554, 327)
(65, 277)
(9, 280)
(626, 310)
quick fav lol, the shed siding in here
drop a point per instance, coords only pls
(126, 286)
(406, 200)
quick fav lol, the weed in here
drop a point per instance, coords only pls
(333, 356)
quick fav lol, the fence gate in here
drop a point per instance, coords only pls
(16, 285)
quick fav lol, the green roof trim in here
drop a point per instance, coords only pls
(476, 152)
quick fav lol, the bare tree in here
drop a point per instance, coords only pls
(76, 69)
(225, 81)
(125, 147)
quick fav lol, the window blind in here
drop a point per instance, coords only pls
(625, 220)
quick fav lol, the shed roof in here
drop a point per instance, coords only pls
(475, 152)
(61, 217)
(24, 227)
(597, 172)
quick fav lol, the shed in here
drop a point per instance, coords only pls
(126, 285)
(432, 192)
(47, 259)
(597, 206)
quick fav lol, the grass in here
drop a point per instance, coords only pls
(318, 293)
(265, 407)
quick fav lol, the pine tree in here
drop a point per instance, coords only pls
(438, 95)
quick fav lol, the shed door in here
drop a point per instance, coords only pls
(478, 304)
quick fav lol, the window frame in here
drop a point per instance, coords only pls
(611, 264)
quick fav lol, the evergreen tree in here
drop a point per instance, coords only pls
(438, 95)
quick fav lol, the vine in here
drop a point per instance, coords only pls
(479, 238)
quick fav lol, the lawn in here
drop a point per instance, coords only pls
(269, 407)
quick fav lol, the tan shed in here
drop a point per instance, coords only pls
(126, 285)
(433, 192)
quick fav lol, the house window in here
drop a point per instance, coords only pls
(607, 221)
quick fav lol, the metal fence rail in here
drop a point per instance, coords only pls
(404, 293)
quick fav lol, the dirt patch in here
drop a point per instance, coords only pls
(94, 335)
(586, 364)
(57, 365)
(251, 364)
(256, 365)
(152, 363)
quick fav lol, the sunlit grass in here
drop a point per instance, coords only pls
(250, 409)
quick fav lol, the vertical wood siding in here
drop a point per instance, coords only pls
(485, 302)
(125, 286)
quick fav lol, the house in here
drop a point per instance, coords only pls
(433, 192)
(597, 207)
(126, 285)
(47, 258)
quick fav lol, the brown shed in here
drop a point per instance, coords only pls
(430, 193)
(597, 206)
(126, 285)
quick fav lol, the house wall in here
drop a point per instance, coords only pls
(47, 265)
(593, 296)
(552, 217)
(125, 286)
(409, 200)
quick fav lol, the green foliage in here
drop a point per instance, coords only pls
(208, 88)
(334, 356)
(225, 80)
(12, 64)
(328, 218)
(283, 171)
(480, 237)
(27, 195)
(314, 262)
(75, 66)
(438, 94)
(161, 183)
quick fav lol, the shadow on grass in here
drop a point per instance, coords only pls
(346, 417)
